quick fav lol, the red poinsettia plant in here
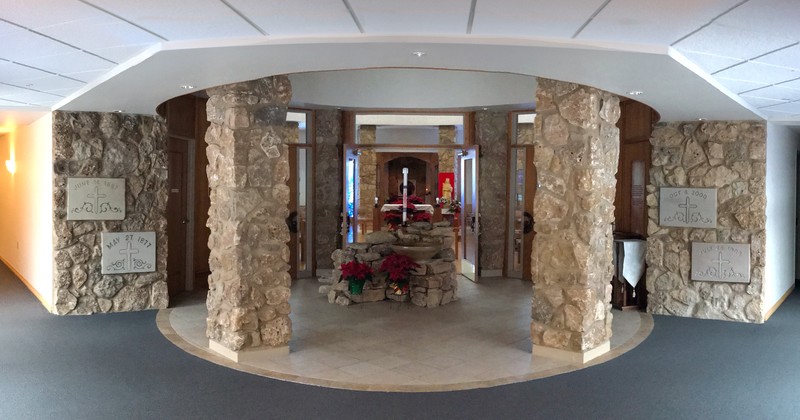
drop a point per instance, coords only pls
(394, 218)
(356, 271)
(398, 267)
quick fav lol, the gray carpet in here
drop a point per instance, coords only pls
(118, 366)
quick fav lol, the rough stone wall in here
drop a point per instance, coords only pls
(248, 168)
(577, 149)
(107, 145)
(328, 190)
(491, 135)
(729, 156)
(367, 172)
(447, 136)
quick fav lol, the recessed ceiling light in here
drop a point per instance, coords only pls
(635, 92)
(187, 87)
(419, 53)
(701, 119)
(485, 109)
(118, 111)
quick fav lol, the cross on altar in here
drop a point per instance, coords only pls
(687, 207)
(128, 253)
(97, 196)
(719, 261)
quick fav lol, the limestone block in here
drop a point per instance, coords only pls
(332, 296)
(448, 296)
(439, 266)
(434, 298)
(342, 300)
(367, 257)
(325, 289)
(380, 237)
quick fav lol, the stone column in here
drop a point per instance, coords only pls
(248, 297)
(447, 159)
(577, 149)
(367, 172)
(328, 189)
(491, 135)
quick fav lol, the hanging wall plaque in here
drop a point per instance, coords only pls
(688, 207)
(728, 263)
(95, 198)
(128, 252)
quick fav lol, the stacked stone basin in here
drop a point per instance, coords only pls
(431, 285)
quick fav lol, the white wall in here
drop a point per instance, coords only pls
(26, 205)
(779, 272)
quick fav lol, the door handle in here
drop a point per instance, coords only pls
(184, 221)
(291, 222)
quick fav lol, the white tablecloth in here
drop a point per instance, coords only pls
(389, 207)
(631, 251)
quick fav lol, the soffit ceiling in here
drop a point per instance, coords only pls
(715, 59)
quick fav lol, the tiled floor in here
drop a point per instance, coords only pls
(481, 340)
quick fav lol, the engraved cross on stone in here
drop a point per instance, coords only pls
(97, 196)
(128, 253)
(687, 207)
(719, 262)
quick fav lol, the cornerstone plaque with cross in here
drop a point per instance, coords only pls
(128, 252)
(95, 198)
(729, 263)
(688, 207)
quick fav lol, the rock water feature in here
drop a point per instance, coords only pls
(432, 284)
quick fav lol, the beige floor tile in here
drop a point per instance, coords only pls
(483, 339)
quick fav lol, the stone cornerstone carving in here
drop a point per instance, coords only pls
(248, 167)
(728, 156)
(720, 262)
(577, 150)
(95, 198)
(107, 145)
(688, 207)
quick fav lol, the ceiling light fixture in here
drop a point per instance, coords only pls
(701, 119)
(187, 87)
(118, 111)
(419, 53)
(635, 92)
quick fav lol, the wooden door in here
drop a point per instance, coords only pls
(177, 215)
(531, 182)
(293, 221)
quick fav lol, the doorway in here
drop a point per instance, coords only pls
(522, 182)
(301, 187)
(189, 200)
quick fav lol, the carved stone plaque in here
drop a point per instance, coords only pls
(95, 198)
(688, 207)
(729, 263)
(128, 252)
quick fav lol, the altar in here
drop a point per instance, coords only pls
(424, 207)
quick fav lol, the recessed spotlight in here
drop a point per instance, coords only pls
(635, 92)
(419, 53)
(118, 111)
(187, 87)
(701, 119)
(485, 109)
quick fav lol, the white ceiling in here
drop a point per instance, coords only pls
(715, 59)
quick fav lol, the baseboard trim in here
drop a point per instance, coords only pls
(778, 303)
(27, 284)
(573, 357)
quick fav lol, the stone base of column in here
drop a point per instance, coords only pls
(573, 357)
(249, 355)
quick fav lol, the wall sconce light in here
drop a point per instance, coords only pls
(11, 166)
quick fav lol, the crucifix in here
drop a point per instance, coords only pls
(97, 196)
(687, 207)
(128, 253)
(719, 262)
